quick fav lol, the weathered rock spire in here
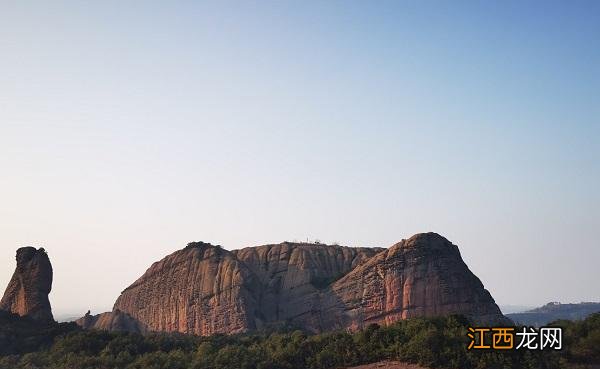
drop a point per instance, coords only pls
(27, 291)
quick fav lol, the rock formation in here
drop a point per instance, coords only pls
(204, 289)
(422, 276)
(114, 320)
(294, 277)
(28, 289)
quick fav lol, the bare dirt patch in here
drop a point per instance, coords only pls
(388, 365)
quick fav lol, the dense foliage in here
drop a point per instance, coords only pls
(439, 342)
(582, 339)
(21, 335)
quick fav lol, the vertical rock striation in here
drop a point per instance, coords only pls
(202, 289)
(422, 276)
(293, 276)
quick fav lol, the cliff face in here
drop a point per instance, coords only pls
(422, 276)
(201, 289)
(28, 289)
(204, 289)
(293, 276)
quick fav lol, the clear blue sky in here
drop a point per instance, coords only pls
(131, 128)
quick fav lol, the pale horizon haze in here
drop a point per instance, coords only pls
(128, 129)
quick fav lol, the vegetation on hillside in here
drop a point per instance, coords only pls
(438, 342)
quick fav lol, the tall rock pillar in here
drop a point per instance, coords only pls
(27, 291)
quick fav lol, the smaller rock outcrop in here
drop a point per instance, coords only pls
(28, 289)
(115, 320)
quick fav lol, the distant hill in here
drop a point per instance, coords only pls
(554, 311)
(68, 317)
(512, 309)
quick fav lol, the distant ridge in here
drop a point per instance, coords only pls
(554, 311)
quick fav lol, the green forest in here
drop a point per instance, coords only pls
(434, 342)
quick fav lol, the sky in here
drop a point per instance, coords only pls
(128, 129)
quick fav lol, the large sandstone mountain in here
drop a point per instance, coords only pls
(28, 289)
(204, 289)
